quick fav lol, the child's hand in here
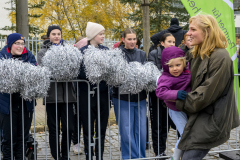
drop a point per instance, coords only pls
(181, 94)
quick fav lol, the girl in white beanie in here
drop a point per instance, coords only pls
(95, 37)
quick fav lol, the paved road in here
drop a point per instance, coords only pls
(111, 150)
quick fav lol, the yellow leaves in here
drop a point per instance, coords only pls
(73, 15)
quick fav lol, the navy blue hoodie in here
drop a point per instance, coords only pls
(27, 56)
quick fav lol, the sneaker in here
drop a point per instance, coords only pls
(76, 147)
(161, 155)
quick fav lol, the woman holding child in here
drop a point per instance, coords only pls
(210, 106)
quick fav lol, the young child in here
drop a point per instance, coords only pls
(158, 112)
(174, 83)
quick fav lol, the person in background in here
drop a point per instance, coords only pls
(15, 49)
(116, 45)
(80, 42)
(138, 44)
(95, 36)
(55, 38)
(174, 29)
(44, 37)
(186, 44)
(158, 110)
(132, 54)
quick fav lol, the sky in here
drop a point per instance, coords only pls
(4, 20)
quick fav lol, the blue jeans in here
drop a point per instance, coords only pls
(180, 119)
(134, 134)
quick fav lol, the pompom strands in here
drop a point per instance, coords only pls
(107, 65)
(95, 64)
(152, 76)
(31, 81)
(9, 79)
(64, 62)
(36, 82)
(112, 67)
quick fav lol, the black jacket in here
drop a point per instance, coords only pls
(61, 86)
(155, 57)
(131, 56)
(175, 30)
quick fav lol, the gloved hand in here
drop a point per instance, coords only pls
(181, 94)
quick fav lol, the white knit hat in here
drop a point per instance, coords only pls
(93, 29)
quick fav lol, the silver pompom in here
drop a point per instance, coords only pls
(107, 65)
(63, 61)
(9, 79)
(152, 76)
(117, 67)
(35, 82)
(112, 67)
(31, 81)
(134, 78)
(95, 64)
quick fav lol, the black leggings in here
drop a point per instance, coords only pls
(16, 132)
(159, 123)
(104, 113)
(51, 121)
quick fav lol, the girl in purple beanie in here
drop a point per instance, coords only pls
(173, 84)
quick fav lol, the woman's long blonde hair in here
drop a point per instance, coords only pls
(213, 35)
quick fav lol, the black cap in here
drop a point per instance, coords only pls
(52, 27)
(174, 21)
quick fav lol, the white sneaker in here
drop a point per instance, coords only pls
(76, 147)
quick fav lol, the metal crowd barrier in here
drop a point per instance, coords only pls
(90, 144)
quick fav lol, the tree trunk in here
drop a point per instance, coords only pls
(22, 17)
(146, 26)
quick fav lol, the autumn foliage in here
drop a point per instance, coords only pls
(73, 15)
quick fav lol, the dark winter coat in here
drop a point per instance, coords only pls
(27, 57)
(131, 56)
(175, 30)
(61, 86)
(83, 85)
(211, 104)
(155, 57)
